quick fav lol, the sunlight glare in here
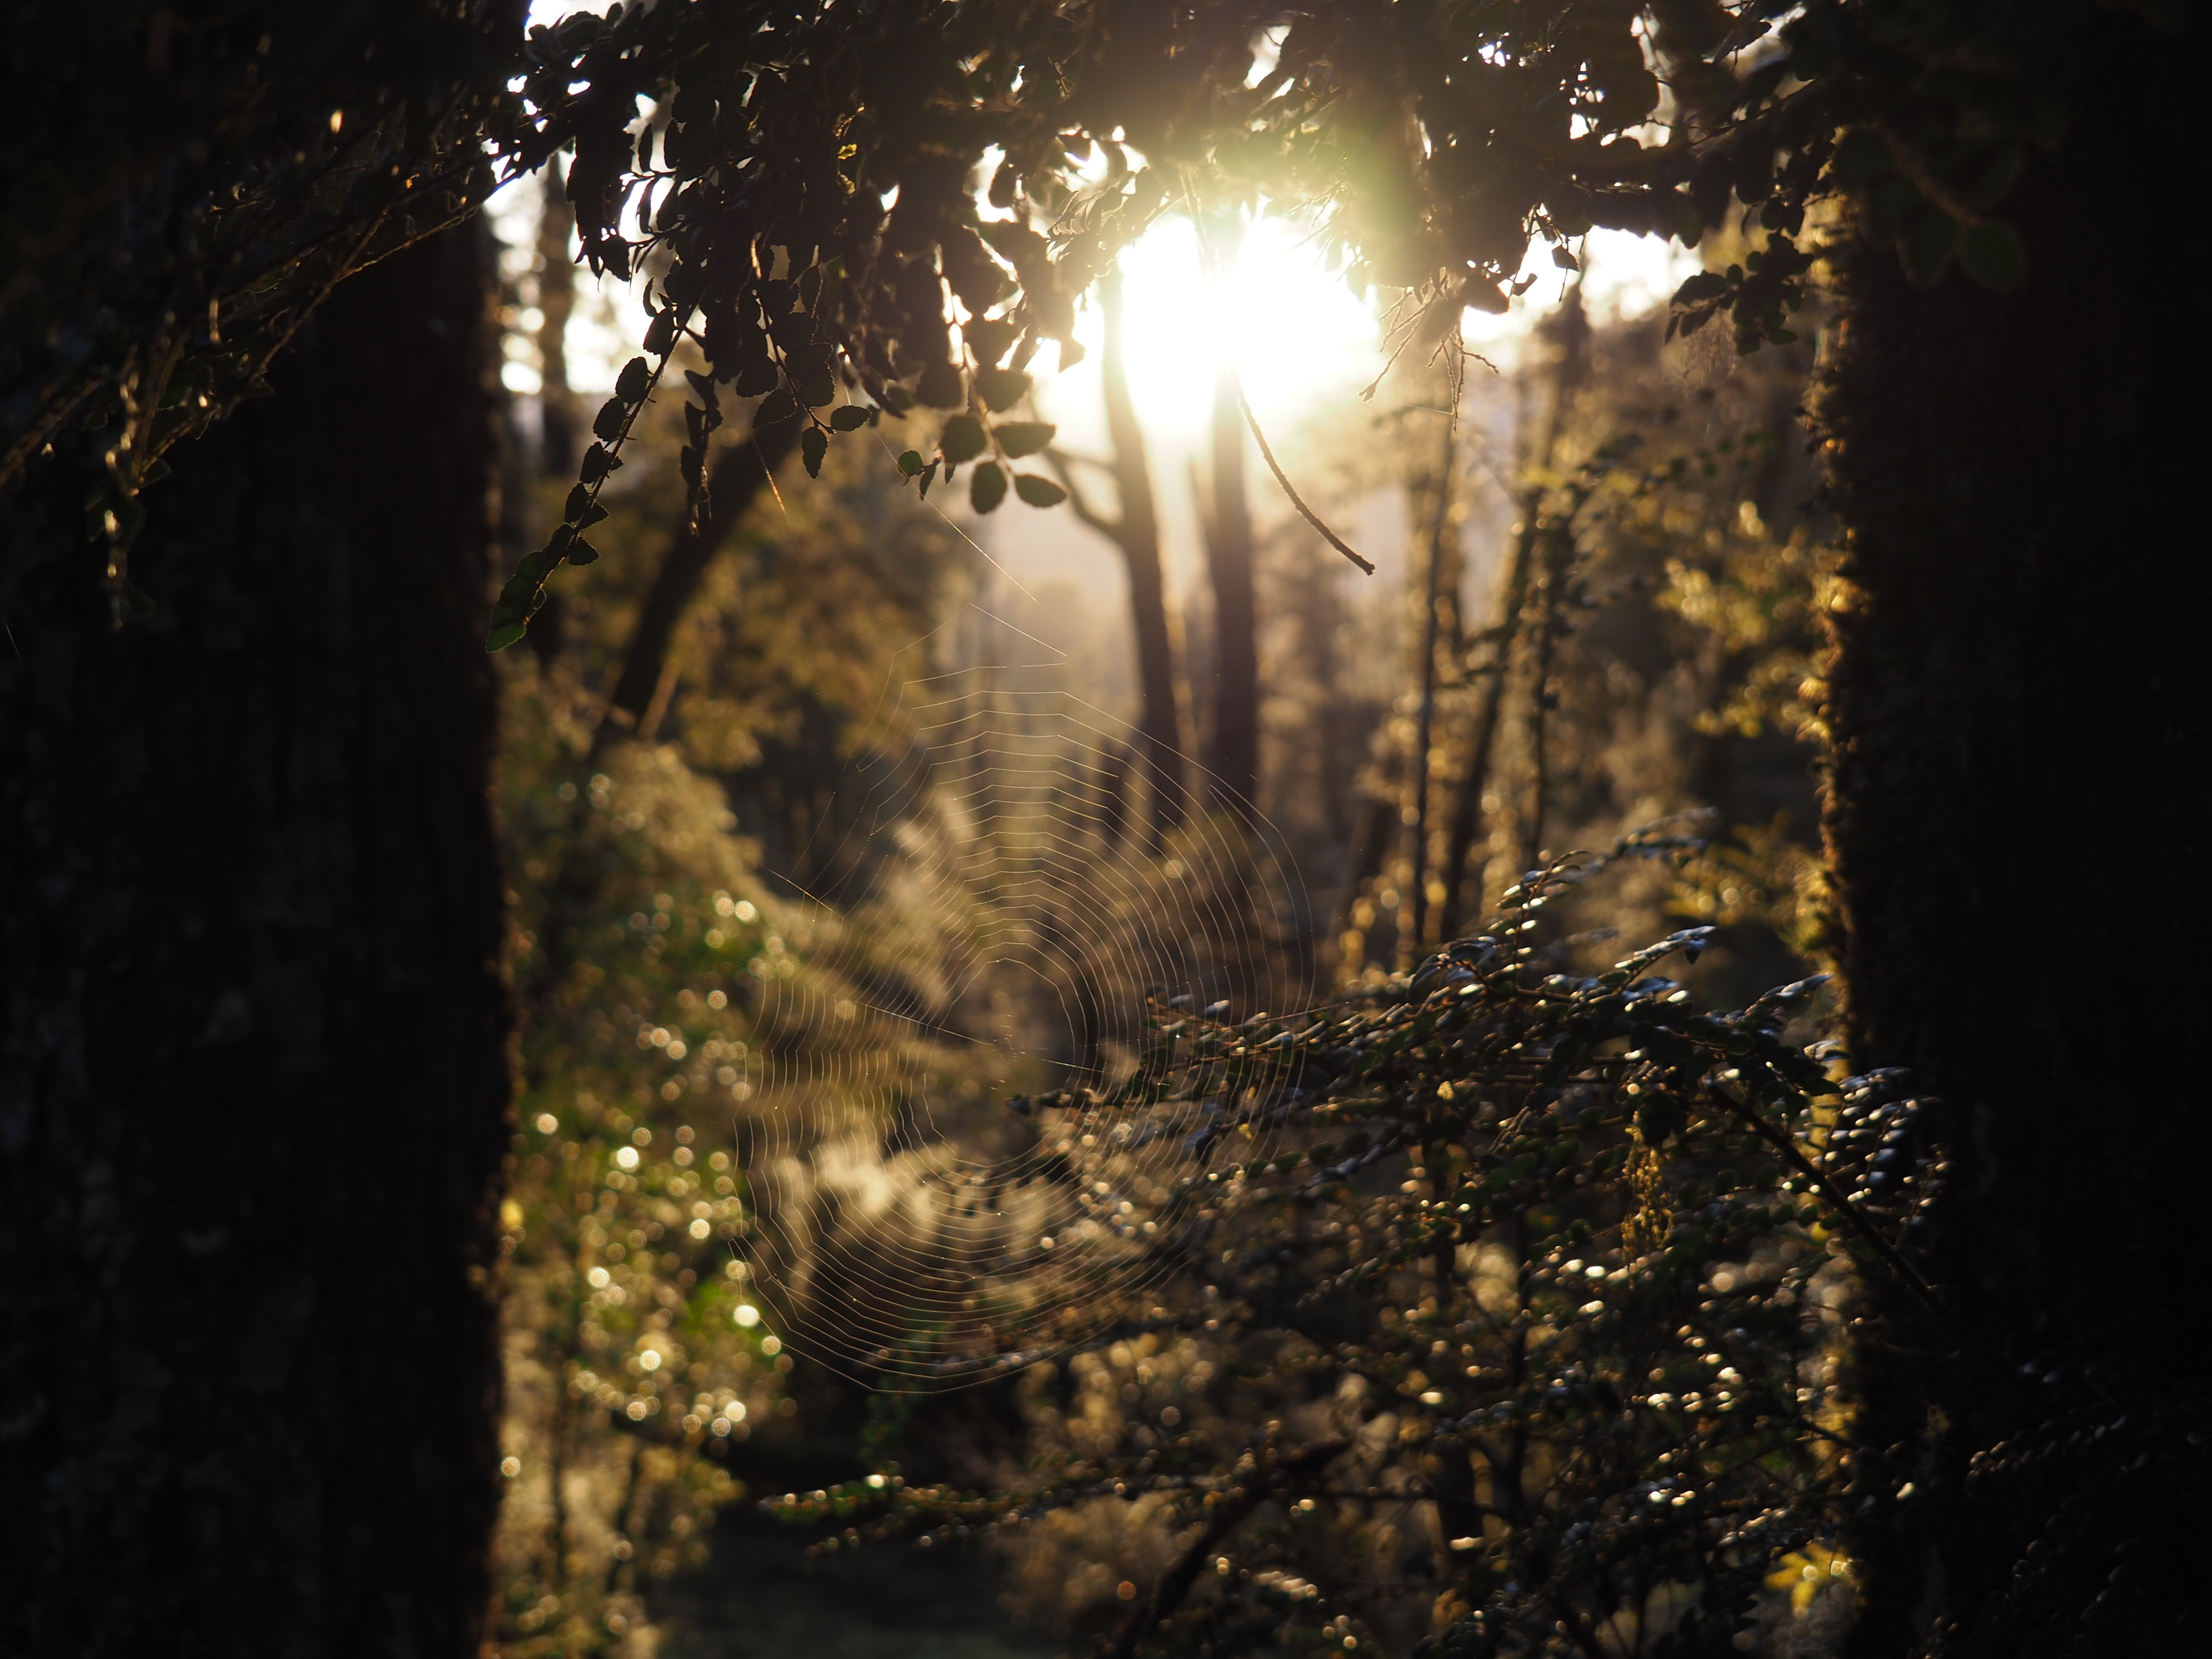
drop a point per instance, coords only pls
(1295, 334)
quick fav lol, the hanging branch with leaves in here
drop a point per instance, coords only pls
(798, 184)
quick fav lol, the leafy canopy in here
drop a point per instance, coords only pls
(801, 195)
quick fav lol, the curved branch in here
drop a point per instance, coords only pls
(740, 475)
(1077, 502)
(1275, 466)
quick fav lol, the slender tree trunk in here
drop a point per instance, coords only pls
(737, 478)
(2017, 817)
(1569, 333)
(1433, 600)
(1137, 532)
(1234, 754)
(561, 421)
(253, 1084)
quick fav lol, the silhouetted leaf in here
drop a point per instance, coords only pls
(990, 338)
(1001, 388)
(794, 332)
(962, 439)
(986, 488)
(941, 386)
(755, 377)
(1020, 438)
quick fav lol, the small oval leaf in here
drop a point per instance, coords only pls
(794, 332)
(1001, 388)
(754, 377)
(1020, 438)
(962, 439)
(941, 386)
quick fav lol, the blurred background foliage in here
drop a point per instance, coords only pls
(1623, 627)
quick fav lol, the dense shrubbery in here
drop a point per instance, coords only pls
(1518, 1319)
(1520, 1333)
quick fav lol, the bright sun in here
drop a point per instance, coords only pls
(1295, 334)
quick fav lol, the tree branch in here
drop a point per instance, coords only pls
(738, 476)
(1282, 478)
(1077, 502)
(1223, 1518)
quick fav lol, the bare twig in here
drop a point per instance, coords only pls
(1297, 500)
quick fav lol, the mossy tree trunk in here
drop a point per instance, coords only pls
(252, 1026)
(2017, 816)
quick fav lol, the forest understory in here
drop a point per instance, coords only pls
(1036, 828)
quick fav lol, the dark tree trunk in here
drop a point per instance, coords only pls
(253, 1027)
(1137, 532)
(2018, 823)
(743, 471)
(1234, 754)
(562, 423)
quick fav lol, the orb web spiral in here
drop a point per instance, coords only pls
(993, 915)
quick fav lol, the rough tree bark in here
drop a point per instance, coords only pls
(253, 1084)
(2017, 816)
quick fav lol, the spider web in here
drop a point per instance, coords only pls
(934, 1196)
